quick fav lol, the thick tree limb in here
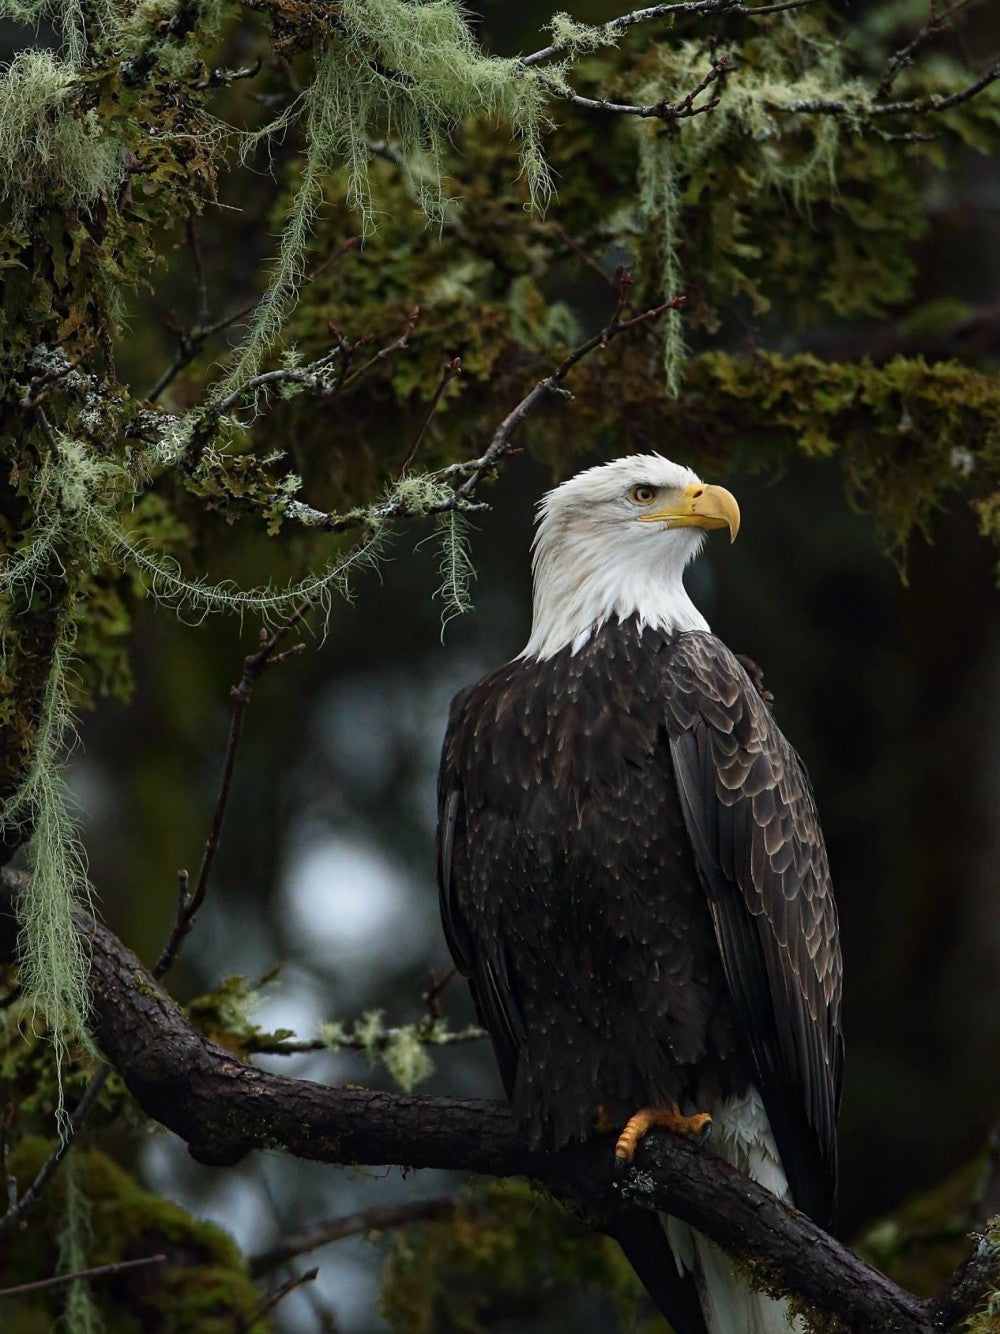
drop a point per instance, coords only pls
(224, 1109)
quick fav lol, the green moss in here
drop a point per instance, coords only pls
(507, 1249)
(912, 437)
(986, 1320)
(202, 1289)
(921, 1244)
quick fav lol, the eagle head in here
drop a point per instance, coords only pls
(614, 541)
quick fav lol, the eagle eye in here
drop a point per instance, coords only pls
(642, 494)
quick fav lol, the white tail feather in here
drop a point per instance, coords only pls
(741, 1133)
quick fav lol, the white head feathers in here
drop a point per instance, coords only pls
(613, 542)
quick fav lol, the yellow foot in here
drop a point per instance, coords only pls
(698, 1126)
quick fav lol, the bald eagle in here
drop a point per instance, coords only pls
(634, 880)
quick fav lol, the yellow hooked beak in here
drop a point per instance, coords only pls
(699, 506)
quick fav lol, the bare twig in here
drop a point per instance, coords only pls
(452, 369)
(925, 106)
(9, 1179)
(378, 1219)
(436, 987)
(253, 668)
(500, 445)
(571, 243)
(858, 112)
(99, 1271)
(397, 345)
(662, 110)
(19, 1210)
(189, 344)
(326, 1320)
(199, 268)
(279, 1295)
(900, 59)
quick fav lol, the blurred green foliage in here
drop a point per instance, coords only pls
(508, 1253)
(202, 1288)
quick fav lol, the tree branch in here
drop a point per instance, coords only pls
(377, 1219)
(918, 106)
(899, 60)
(254, 667)
(464, 477)
(662, 110)
(99, 1271)
(684, 9)
(224, 1109)
(552, 384)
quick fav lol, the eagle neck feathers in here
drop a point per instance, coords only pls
(577, 589)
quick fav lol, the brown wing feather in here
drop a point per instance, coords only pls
(752, 820)
(486, 972)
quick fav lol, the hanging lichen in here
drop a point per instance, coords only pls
(53, 957)
(752, 134)
(80, 1313)
(456, 569)
(390, 68)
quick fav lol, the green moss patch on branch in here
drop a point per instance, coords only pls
(203, 1288)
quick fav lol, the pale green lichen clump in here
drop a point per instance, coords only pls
(46, 143)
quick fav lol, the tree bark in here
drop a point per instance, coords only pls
(223, 1109)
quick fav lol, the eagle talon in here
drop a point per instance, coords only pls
(697, 1127)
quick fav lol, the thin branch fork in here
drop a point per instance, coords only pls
(662, 110)
(552, 384)
(191, 342)
(279, 1295)
(224, 1109)
(254, 667)
(452, 369)
(917, 106)
(899, 60)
